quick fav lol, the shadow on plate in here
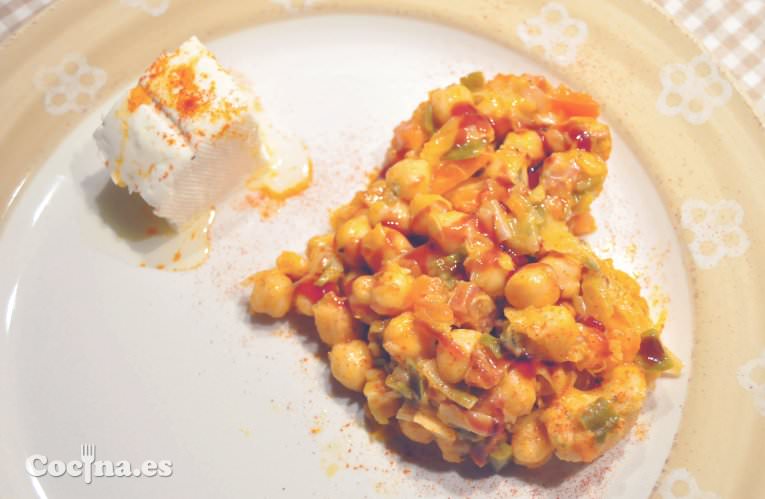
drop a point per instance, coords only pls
(127, 215)
(428, 457)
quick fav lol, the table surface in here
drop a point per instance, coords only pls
(733, 31)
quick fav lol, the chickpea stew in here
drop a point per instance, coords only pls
(456, 295)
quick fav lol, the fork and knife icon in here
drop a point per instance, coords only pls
(88, 455)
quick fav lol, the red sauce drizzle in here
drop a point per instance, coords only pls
(525, 367)
(652, 350)
(502, 127)
(593, 323)
(534, 172)
(421, 255)
(392, 224)
(464, 109)
(582, 138)
(313, 292)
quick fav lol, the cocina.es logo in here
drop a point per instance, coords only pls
(88, 467)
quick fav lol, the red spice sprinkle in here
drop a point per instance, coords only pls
(152, 231)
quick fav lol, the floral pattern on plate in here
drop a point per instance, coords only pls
(716, 229)
(692, 90)
(559, 34)
(295, 5)
(747, 381)
(71, 85)
(151, 7)
(680, 483)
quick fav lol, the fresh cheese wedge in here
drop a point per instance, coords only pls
(185, 135)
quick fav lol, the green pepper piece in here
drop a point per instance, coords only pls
(460, 397)
(492, 343)
(599, 418)
(513, 341)
(501, 456)
(331, 272)
(474, 81)
(468, 150)
(400, 381)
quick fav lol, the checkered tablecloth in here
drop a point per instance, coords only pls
(732, 30)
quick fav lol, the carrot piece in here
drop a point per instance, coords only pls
(569, 103)
(450, 174)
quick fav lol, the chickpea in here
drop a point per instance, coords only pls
(348, 239)
(507, 166)
(491, 278)
(600, 135)
(568, 273)
(334, 322)
(551, 331)
(534, 285)
(453, 451)
(344, 213)
(440, 227)
(516, 395)
(395, 213)
(382, 244)
(271, 294)
(527, 143)
(361, 289)
(415, 432)
(391, 291)
(466, 197)
(383, 402)
(303, 305)
(404, 338)
(349, 363)
(472, 307)
(444, 99)
(626, 388)
(423, 205)
(319, 245)
(409, 177)
(531, 445)
(292, 264)
(453, 360)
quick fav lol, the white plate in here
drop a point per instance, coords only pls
(167, 366)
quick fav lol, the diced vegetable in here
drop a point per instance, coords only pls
(468, 150)
(434, 425)
(445, 267)
(492, 343)
(513, 341)
(652, 355)
(501, 455)
(569, 103)
(400, 381)
(427, 119)
(462, 398)
(332, 271)
(474, 81)
(599, 418)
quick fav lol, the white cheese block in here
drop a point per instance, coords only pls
(184, 136)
